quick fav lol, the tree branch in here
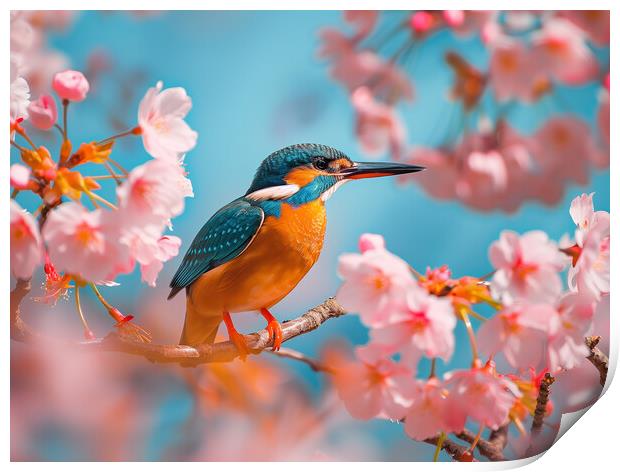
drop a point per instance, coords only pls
(541, 403)
(185, 355)
(491, 448)
(597, 357)
(454, 449)
(298, 356)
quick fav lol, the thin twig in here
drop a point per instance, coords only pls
(454, 449)
(298, 356)
(491, 448)
(186, 355)
(541, 403)
(597, 357)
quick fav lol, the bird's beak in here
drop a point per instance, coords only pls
(364, 170)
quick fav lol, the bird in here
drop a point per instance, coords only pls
(253, 252)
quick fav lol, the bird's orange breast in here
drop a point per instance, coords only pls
(281, 254)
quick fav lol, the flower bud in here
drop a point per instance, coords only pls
(71, 85)
(43, 112)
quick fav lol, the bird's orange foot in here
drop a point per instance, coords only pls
(237, 338)
(274, 328)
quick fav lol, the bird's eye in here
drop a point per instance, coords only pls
(321, 163)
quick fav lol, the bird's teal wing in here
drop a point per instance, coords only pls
(226, 235)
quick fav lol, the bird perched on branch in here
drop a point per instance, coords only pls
(256, 249)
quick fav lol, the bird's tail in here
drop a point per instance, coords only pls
(199, 328)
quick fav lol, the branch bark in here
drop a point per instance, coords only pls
(492, 448)
(541, 403)
(597, 357)
(454, 449)
(185, 355)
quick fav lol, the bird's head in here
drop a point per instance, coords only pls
(306, 172)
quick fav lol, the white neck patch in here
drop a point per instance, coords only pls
(277, 192)
(326, 195)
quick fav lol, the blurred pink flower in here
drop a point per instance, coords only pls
(560, 49)
(84, 243)
(26, 245)
(562, 146)
(42, 112)
(602, 119)
(423, 325)
(513, 73)
(441, 174)
(518, 331)
(370, 241)
(153, 192)
(71, 85)
(594, 23)
(428, 416)
(364, 22)
(527, 267)
(335, 44)
(366, 68)
(20, 176)
(374, 284)
(374, 386)
(481, 394)
(473, 21)
(454, 18)
(422, 22)
(161, 115)
(379, 128)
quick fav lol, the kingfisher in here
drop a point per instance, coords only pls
(253, 252)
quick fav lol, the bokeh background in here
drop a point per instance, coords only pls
(257, 85)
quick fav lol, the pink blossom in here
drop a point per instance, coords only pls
(374, 386)
(473, 22)
(71, 85)
(527, 267)
(20, 92)
(154, 192)
(454, 18)
(561, 50)
(513, 72)
(562, 147)
(429, 414)
(378, 127)
(43, 113)
(366, 68)
(20, 176)
(422, 22)
(84, 243)
(364, 22)
(26, 246)
(519, 332)
(594, 23)
(582, 211)
(149, 249)
(589, 274)
(161, 114)
(335, 44)
(439, 180)
(370, 241)
(602, 118)
(480, 393)
(374, 283)
(574, 316)
(422, 325)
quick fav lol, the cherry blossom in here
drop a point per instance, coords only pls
(26, 245)
(374, 283)
(154, 192)
(71, 85)
(370, 241)
(363, 20)
(423, 325)
(481, 394)
(594, 23)
(560, 49)
(20, 176)
(429, 414)
(20, 92)
(527, 267)
(84, 243)
(374, 386)
(161, 114)
(42, 112)
(519, 332)
(378, 126)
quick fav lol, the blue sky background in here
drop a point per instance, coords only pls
(256, 86)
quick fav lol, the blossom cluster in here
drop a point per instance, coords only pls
(485, 163)
(91, 245)
(538, 326)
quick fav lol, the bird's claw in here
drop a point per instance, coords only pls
(274, 328)
(241, 344)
